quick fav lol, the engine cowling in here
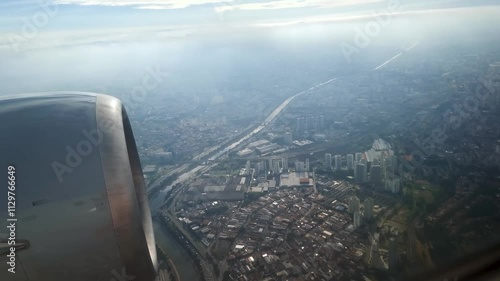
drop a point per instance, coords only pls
(81, 210)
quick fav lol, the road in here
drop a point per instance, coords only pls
(158, 182)
(274, 114)
(157, 202)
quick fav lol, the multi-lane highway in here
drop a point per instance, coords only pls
(187, 173)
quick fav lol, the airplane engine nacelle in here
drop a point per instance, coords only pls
(75, 202)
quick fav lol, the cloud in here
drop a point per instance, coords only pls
(143, 4)
(220, 5)
(288, 4)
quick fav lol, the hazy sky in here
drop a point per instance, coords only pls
(104, 15)
(50, 44)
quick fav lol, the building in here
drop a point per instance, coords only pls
(247, 168)
(392, 164)
(284, 164)
(299, 166)
(260, 168)
(353, 204)
(301, 125)
(320, 121)
(350, 162)
(393, 253)
(360, 174)
(393, 185)
(307, 165)
(328, 160)
(288, 139)
(358, 219)
(338, 162)
(149, 169)
(311, 123)
(376, 174)
(368, 206)
(358, 157)
(276, 166)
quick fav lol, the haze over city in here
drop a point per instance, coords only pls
(288, 139)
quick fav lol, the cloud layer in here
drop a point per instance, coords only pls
(220, 5)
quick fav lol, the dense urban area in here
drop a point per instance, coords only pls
(371, 176)
(279, 140)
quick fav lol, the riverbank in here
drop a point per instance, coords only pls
(185, 267)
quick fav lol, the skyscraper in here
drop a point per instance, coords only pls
(328, 160)
(358, 157)
(276, 166)
(284, 164)
(392, 185)
(307, 165)
(338, 162)
(320, 121)
(300, 126)
(299, 166)
(353, 204)
(360, 172)
(368, 206)
(288, 139)
(358, 219)
(391, 166)
(258, 168)
(247, 168)
(393, 253)
(350, 162)
(376, 174)
(311, 123)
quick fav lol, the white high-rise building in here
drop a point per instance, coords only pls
(276, 166)
(258, 168)
(320, 121)
(307, 165)
(284, 164)
(361, 172)
(358, 219)
(368, 206)
(338, 162)
(350, 162)
(353, 204)
(391, 165)
(393, 185)
(299, 166)
(328, 160)
(288, 138)
(300, 126)
(358, 157)
(247, 168)
(376, 174)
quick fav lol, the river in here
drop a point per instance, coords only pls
(183, 263)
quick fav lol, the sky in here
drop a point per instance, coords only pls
(49, 43)
(77, 19)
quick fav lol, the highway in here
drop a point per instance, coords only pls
(157, 202)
